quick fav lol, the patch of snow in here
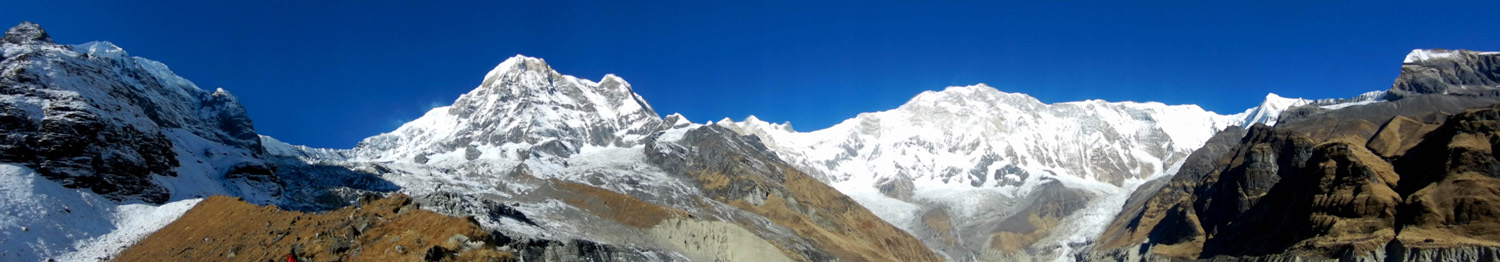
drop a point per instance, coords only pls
(1427, 54)
(899, 213)
(101, 49)
(133, 222)
(674, 135)
(40, 219)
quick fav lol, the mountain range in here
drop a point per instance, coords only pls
(111, 156)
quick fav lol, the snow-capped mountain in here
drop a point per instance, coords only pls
(521, 105)
(973, 157)
(537, 154)
(1269, 111)
(100, 148)
(961, 134)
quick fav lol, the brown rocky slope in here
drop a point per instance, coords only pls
(1282, 193)
(1413, 178)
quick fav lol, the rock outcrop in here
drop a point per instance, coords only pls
(1451, 72)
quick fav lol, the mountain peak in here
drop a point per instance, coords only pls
(612, 78)
(519, 63)
(1280, 102)
(1269, 110)
(27, 32)
(523, 102)
(977, 95)
(1273, 96)
(967, 90)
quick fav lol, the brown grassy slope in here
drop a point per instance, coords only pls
(615, 206)
(1454, 184)
(1398, 136)
(227, 229)
(1430, 183)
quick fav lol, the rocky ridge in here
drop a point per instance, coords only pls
(1345, 183)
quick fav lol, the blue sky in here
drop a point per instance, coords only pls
(329, 73)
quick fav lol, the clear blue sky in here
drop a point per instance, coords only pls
(327, 74)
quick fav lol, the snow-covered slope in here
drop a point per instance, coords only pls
(1270, 109)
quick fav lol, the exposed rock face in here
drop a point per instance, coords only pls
(1406, 179)
(91, 116)
(896, 187)
(1279, 195)
(27, 33)
(1192, 207)
(1167, 201)
(1396, 251)
(1452, 72)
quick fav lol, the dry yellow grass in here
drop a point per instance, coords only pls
(937, 220)
(1015, 241)
(1397, 136)
(615, 206)
(227, 229)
